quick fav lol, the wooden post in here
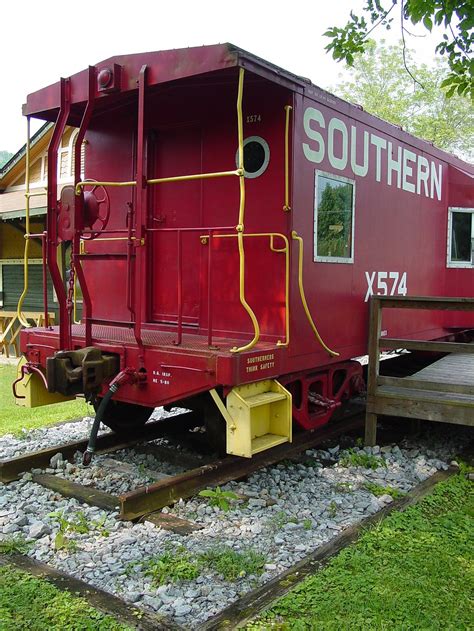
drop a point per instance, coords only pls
(375, 327)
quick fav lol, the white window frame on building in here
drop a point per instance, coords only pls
(333, 259)
(449, 260)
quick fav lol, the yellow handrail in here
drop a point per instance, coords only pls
(240, 173)
(21, 300)
(296, 237)
(197, 176)
(205, 237)
(240, 226)
(162, 180)
(287, 206)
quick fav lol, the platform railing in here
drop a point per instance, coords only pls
(377, 342)
(141, 183)
(207, 235)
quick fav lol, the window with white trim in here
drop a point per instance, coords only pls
(460, 237)
(334, 206)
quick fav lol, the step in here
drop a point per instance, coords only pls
(264, 398)
(267, 441)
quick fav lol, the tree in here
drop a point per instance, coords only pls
(380, 84)
(4, 157)
(334, 218)
(456, 16)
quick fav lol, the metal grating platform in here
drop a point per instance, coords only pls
(153, 337)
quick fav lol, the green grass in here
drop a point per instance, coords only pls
(173, 566)
(14, 418)
(31, 604)
(352, 458)
(415, 570)
(378, 490)
(233, 565)
(178, 565)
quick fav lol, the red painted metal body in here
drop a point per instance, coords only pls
(165, 297)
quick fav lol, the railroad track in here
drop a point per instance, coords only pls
(147, 500)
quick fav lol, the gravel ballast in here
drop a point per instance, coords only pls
(282, 513)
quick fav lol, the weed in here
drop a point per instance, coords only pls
(231, 564)
(352, 458)
(14, 544)
(332, 509)
(378, 490)
(218, 497)
(307, 524)
(344, 487)
(77, 524)
(171, 567)
(282, 518)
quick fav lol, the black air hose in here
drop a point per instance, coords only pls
(87, 456)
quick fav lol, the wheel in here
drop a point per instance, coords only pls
(124, 418)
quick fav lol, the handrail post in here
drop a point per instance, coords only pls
(45, 281)
(140, 218)
(209, 289)
(78, 211)
(240, 225)
(20, 316)
(375, 328)
(180, 291)
(65, 342)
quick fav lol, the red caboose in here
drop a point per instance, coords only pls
(233, 221)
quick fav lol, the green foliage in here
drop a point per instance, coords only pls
(307, 524)
(378, 490)
(332, 509)
(79, 524)
(179, 565)
(455, 16)
(14, 544)
(218, 497)
(344, 487)
(381, 85)
(28, 603)
(172, 566)
(352, 458)
(334, 217)
(231, 564)
(14, 418)
(413, 571)
(281, 518)
(4, 157)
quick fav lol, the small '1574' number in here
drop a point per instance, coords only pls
(254, 118)
(386, 284)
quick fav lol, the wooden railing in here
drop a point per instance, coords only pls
(433, 405)
(10, 328)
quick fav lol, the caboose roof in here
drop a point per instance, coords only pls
(162, 67)
(187, 63)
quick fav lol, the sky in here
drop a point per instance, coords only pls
(43, 41)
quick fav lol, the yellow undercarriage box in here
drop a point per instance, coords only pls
(32, 388)
(260, 417)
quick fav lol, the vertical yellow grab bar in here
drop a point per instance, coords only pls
(19, 313)
(240, 225)
(296, 237)
(287, 206)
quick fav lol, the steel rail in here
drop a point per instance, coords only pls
(12, 469)
(147, 499)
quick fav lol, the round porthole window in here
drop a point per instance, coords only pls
(256, 156)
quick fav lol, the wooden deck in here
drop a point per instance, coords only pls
(443, 391)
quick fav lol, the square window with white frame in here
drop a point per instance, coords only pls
(334, 203)
(460, 237)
